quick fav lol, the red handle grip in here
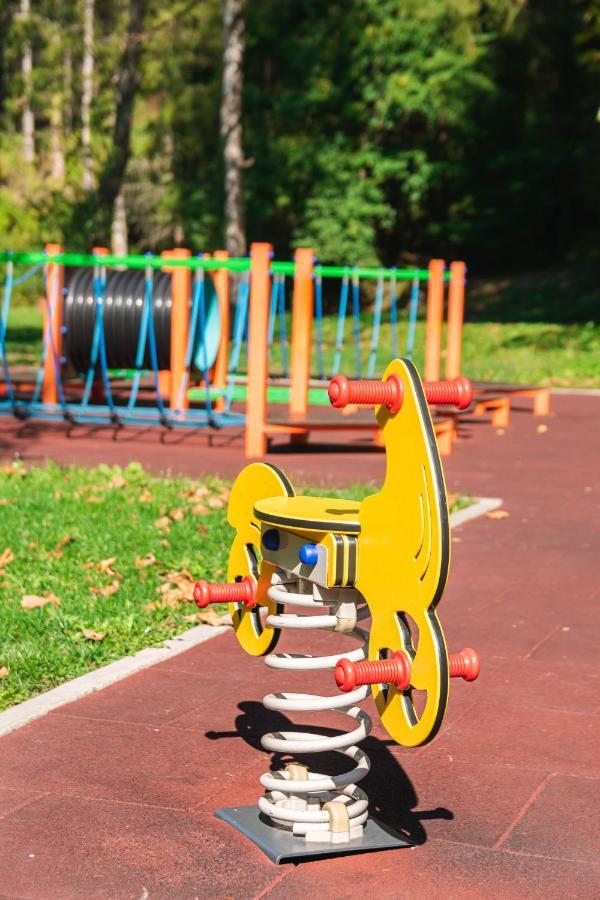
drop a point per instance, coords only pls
(396, 670)
(243, 591)
(346, 392)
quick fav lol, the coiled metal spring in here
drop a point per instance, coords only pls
(316, 806)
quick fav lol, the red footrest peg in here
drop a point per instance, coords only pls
(360, 392)
(243, 591)
(465, 664)
(396, 670)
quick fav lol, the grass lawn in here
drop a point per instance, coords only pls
(112, 554)
(539, 329)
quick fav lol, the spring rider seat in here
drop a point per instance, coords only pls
(342, 564)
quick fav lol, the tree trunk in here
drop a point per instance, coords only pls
(27, 119)
(111, 180)
(231, 126)
(68, 91)
(56, 149)
(87, 90)
(6, 15)
(118, 237)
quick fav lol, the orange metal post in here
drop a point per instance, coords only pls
(221, 281)
(435, 316)
(258, 327)
(302, 320)
(181, 282)
(456, 306)
(53, 323)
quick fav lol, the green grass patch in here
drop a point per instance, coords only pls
(81, 535)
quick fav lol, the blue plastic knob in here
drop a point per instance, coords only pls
(308, 554)
(271, 539)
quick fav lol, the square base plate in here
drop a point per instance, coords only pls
(281, 846)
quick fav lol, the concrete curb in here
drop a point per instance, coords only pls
(29, 710)
(480, 508)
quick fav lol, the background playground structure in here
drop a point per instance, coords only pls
(306, 321)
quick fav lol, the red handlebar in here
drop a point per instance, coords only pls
(345, 392)
(243, 591)
(396, 670)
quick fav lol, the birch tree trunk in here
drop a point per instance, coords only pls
(118, 237)
(87, 91)
(57, 155)
(27, 119)
(6, 15)
(68, 91)
(231, 126)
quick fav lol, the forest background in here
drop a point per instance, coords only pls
(376, 131)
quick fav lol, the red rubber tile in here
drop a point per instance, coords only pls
(79, 848)
(12, 800)
(539, 684)
(546, 740)
(161, 766)
(173, 694)
(574, 644)
(441, 869)
(562, 820)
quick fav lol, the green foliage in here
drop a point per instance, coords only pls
(376, 131)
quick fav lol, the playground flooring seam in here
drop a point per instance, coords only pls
(523, 811)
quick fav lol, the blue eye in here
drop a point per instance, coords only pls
(271, 539)
(308, 554)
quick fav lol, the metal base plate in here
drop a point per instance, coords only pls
(281, 846)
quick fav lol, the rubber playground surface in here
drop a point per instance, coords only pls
(113, 795)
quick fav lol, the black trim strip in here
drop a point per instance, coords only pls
(310, 524)
(338, 541)
(352, 555)
(286, 483)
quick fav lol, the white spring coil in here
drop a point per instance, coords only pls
(291, 802)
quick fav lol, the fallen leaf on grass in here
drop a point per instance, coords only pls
(198, 493)
(108, 590)
(93, 635)
(117, 481)
(183, 580)
(199, 509)
(145, 496)
(57, 552)
(32, 601)
(4, 501)
(177, 514)
(202, 529)
(105, 566)
(163, 522)
(6, 557)
(16, 469)
(93, 499)
(57, 495)
(165, 543)
(143, 562)
(215, 502)
(497, 514)
(3, 671)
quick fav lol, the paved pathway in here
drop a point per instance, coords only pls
(112, 796)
